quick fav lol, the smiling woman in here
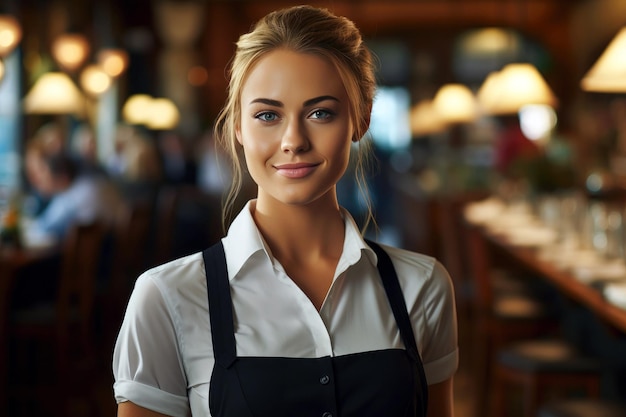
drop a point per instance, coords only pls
(296, 141)
(300, 306)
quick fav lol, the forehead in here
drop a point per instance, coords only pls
(282, 74)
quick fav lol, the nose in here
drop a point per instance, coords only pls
(295, 138)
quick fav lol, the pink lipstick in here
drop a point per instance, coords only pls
(295, 171)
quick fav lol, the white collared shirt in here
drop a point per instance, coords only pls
(163, 357)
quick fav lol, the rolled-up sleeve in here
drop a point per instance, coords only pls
(147, 365)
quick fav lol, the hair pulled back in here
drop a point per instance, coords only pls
(303, 29)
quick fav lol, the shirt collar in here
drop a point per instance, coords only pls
(243, 241)
(353, 245)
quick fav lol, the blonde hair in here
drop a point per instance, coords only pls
(303, 29)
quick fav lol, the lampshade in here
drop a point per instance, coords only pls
(425, 120)
(70, 50)
(489, 41)
(179, 23)
(113, 61)
(94, 80)
(608, 74)
(515, 86)
(54, 93)
(455, 103)
(136, 109)
(10, 34)
(164, 115)
(488, 93)
(154, 113)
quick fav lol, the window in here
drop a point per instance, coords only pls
(10, 112)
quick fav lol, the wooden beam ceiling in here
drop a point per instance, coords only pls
(398, 15)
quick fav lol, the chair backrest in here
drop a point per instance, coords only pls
(130, 245)
(167, 201)
(188, 220)
(82, 250)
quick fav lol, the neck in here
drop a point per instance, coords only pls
(301, 232)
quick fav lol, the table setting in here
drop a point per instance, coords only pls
(583, 238)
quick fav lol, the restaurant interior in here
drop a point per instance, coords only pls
(499, 128)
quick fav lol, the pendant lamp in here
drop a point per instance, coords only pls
(608, 74)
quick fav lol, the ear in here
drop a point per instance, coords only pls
(238, 134)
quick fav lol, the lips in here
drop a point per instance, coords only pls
(297, 170)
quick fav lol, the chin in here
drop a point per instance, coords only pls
(302, 199)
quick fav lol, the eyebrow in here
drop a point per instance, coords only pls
(309, 102)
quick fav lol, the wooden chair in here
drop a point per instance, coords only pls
(542, 368)
(130, 244)
(128, 254)
(166, 205)
(505, 308)
(451, 251)
(188, 219)
(580, 364)
(65, 325)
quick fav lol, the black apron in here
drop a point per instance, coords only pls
(382, 383)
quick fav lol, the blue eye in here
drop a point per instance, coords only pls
(266, 116)
(321, 114)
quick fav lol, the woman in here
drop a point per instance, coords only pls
(303, 317)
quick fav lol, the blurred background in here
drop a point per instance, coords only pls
(499, 128)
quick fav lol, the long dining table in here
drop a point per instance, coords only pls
(546, 261)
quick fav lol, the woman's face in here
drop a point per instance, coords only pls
(38, 173)
(295, 127)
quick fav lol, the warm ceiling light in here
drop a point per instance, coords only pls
(136, 110)
(94, 80)
(515, 86)
(455, 103)
(608, 74)
(10, 34)
(70, 50)
(164, 115)
(113, 61)
(179, 23)
(488, 93)
(537, 121)
(154, 113)
(489, 41)
(425, 120)
(54, 93)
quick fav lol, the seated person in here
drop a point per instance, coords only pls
(72, 197)
(84, 148)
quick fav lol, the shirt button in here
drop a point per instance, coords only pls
(327, 414)
(324, 380)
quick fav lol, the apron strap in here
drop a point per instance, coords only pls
(396, 299)
(220, 305)
(400, 312)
